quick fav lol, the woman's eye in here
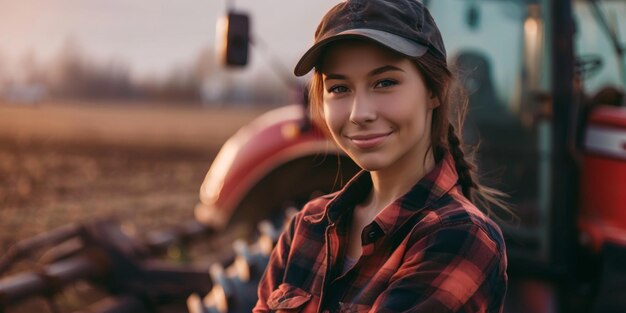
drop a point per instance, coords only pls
(385, 83)
(337, 89)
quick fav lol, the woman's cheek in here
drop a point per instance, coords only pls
(335, 118)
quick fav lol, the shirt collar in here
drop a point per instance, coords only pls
(427, 190)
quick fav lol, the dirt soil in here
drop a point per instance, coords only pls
(67, 163)
(44, 188)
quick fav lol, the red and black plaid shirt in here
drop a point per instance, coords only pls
(430, 251)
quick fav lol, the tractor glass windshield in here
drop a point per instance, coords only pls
(600, 27)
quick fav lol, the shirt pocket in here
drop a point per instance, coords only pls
(288, 298)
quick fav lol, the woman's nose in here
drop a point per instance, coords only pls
(363, 109)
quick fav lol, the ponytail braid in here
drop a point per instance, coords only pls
(483, 196)
(465, 169)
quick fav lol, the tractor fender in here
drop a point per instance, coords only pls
(252, 152)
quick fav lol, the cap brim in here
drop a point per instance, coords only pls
(397, 43)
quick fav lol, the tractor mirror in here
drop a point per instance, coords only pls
(233, 37)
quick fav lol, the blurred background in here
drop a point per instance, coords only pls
(145, 50)
(117, 107)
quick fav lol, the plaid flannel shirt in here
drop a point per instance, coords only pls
(430, 251)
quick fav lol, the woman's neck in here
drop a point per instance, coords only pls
(392, 183)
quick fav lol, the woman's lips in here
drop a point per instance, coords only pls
(368, 141)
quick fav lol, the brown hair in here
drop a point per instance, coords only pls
(445, 129)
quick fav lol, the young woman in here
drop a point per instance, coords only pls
(404, 234)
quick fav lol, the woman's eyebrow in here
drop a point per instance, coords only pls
(334, 76)
(373, 72)
(383, 69)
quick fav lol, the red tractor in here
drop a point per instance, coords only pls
(546, 83)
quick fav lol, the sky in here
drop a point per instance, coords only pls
(150, 35)
(154, 36)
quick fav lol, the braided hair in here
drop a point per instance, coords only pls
(445, 133)
(464, 169)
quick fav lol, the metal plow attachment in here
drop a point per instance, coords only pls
(130, 273)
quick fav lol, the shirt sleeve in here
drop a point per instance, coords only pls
(273, 275)
(454, 269)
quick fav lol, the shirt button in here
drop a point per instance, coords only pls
(371, 234)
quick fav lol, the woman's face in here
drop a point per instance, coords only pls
(376, 106)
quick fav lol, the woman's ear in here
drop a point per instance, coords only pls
(433, 101)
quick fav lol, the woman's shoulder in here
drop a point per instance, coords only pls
(457, 212)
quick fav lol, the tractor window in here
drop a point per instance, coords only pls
(593, 44)
(496, 48)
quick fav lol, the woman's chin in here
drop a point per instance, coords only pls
(371, 165)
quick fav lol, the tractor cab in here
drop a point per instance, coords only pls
(546, 108)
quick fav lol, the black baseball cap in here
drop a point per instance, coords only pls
(404, 26)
